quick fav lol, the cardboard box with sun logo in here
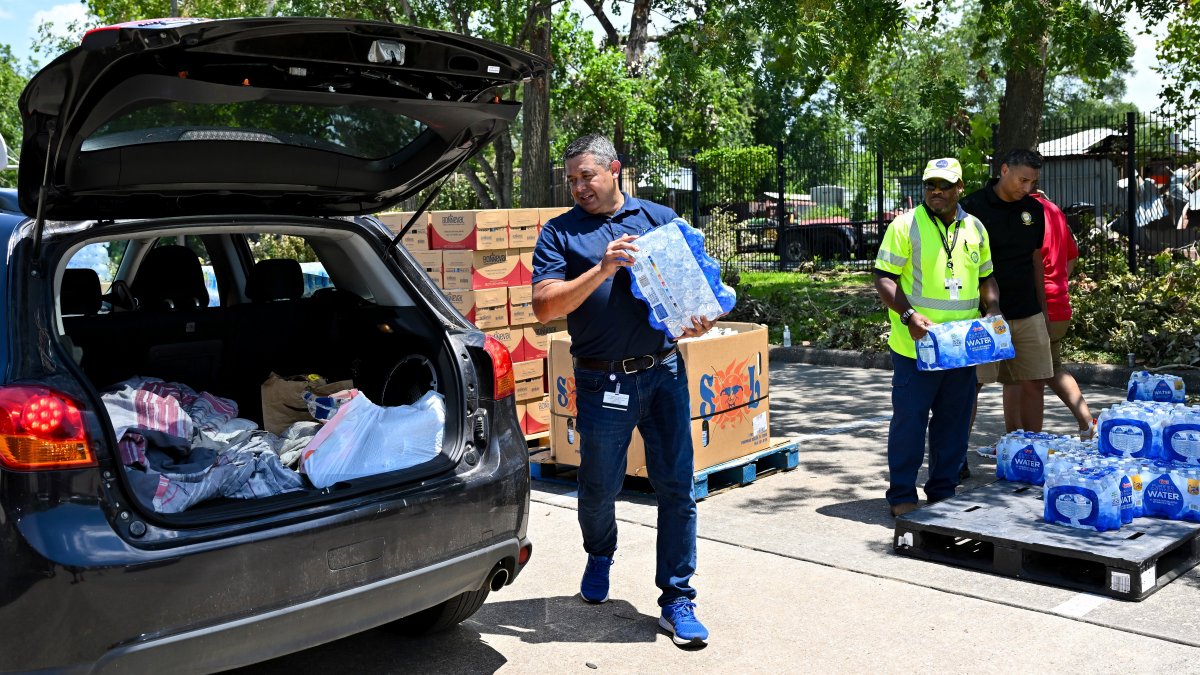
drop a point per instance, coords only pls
(728, 384)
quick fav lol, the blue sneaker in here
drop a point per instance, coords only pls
(679, 618)
(594, 587)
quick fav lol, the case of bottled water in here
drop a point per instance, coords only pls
(674, 275)
(1158, 387)
(1021, 456)
(969, 342)
(1134, 429)
(1083, 497)
(1181, 436)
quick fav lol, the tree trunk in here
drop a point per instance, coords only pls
(505, 159)
(535, 153)
(639, 33)
(1022, 104)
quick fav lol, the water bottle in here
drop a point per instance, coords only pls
(787, 336)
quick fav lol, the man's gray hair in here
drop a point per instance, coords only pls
(597, 145)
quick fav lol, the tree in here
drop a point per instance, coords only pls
(1036, 38)
(12, 83)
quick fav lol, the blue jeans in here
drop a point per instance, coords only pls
(949, 395)
(658, 406)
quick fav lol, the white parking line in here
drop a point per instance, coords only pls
(1080, 605)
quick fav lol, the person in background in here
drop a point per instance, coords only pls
(1016, 228)
(1059, 254)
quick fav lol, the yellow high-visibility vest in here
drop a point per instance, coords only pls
(914, 247)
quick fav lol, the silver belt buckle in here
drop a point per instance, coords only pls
(625, 362)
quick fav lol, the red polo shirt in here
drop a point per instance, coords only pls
(1058, 248)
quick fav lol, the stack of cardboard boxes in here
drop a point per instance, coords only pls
(483, 262)
(728, 387)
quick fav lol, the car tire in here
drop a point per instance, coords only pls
(442, 616)
(793, 248)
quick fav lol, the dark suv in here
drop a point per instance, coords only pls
(179, 180)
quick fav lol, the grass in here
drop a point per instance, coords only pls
(827, 309)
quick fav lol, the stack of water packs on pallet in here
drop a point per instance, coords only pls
(957, 344)
(1161, 388)
(1145, 462)
(678, 280)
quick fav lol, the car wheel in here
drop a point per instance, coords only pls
(440, 617)
(793, 247)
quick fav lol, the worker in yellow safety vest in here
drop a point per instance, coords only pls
(934, 265)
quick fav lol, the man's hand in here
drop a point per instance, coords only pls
(918, 326)
(700, 326)
(616, 256)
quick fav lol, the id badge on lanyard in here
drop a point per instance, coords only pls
(615, 400)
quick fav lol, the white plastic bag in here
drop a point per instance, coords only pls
(364, 439)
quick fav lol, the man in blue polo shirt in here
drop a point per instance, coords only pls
(627, 374)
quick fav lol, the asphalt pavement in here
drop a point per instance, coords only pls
(796, 573)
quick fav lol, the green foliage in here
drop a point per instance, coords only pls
(269, 246)
(11, 85)
(1157, 318)
(829, 310)
(598, 93)
(736, 174)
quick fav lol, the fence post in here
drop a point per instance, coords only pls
(695, 190)
(780, 210)
(879, 224)
(1131, 190)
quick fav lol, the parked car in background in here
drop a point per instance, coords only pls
(134, 537)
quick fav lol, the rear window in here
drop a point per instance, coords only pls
(276, 246)
(362, 131)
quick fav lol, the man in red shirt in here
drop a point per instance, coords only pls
(1058, 254)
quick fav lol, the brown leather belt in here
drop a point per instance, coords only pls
(629, 366)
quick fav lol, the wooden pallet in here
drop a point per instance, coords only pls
(999, 528)
(538, 442)
(782, 456)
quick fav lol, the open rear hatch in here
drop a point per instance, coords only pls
(282, 116)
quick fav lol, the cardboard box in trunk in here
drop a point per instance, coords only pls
(417, 237)
(452, 230)
(564, 446)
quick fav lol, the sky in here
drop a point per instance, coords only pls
(19, 20)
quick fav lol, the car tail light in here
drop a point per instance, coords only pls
(503, 384)
(41, 429)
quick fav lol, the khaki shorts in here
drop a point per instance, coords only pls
(1032, 362)
(1058, 331)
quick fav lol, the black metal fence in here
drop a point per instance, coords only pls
(780, 208)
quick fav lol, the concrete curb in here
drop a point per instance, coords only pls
(1085, 373)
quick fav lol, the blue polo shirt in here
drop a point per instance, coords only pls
(611, 324)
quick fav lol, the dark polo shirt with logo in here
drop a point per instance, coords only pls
(1015, 231)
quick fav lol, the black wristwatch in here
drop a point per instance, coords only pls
(906, 315)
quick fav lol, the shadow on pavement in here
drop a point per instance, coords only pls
(383, 650)
(565, 619)
(866, 511)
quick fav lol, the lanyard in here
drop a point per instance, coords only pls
(947, 245)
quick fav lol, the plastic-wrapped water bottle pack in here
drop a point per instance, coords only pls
(678, 280)
(1181, 436)
(1088, 498)
(1159, 387)
(957, 344)
(1134, 429)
